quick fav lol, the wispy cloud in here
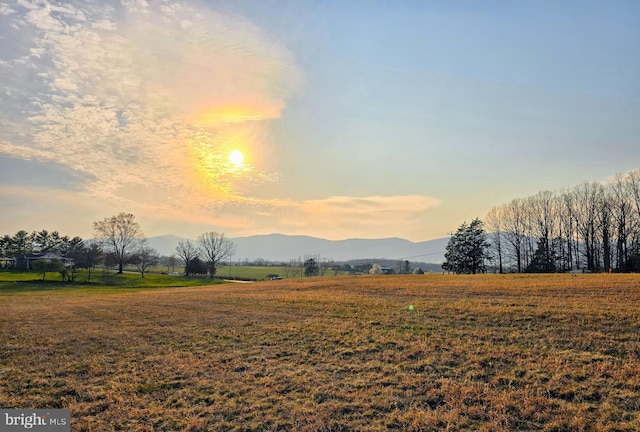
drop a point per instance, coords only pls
(141, 96)
(375, 207)
(341, 216)
(6, 9)
(142, 102)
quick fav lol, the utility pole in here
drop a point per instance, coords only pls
(451, 233)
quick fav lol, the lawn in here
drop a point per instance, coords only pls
(493, 353)
(264, 272)
(23, 281)
(252, 273)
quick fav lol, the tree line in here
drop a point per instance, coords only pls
(204, 256)
(43, 241)
(119, 242)
(22, 243)
(594, 227)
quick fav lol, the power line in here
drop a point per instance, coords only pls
(427, 254)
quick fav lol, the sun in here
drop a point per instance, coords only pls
(236, 157)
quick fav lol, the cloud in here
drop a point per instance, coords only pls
(144, 99)
(343, 208)
(135, 106)
(6, 10)
(336, 217)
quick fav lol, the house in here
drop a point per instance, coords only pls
(25, 261)
(387, 270)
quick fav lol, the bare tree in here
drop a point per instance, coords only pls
(633, 186)
(605, 221)
(587, 198)
(514, 225)
(622, 214)
(121, 234)
(296, 267)
(44, 266)
(570, 224)
(171, 262)
(324, 264)
(215, 249)
(90, 255)
(145, 257)
(494, 227)
(187, 251)
(335, 267)
(591, 225)
(543, 223)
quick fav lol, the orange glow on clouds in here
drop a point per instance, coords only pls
(237, 113)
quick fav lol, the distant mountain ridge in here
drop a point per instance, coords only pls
(283, 248)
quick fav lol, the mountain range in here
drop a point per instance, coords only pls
(284, 248)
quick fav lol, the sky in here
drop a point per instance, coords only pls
(355, 119)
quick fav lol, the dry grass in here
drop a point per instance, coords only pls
(492, 353)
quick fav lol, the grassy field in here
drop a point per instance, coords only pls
(253, 272)
(257, 273)
(22, 281)
(492, 353)
(263, 272)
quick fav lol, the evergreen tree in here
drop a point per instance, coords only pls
(196, 267)
(406, 269)
(310, 267)
(467, 249)
(543, 259)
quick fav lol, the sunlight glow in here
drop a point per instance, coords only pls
(236, 157)
(252, 110)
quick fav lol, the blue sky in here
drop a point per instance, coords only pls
(356, 119)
